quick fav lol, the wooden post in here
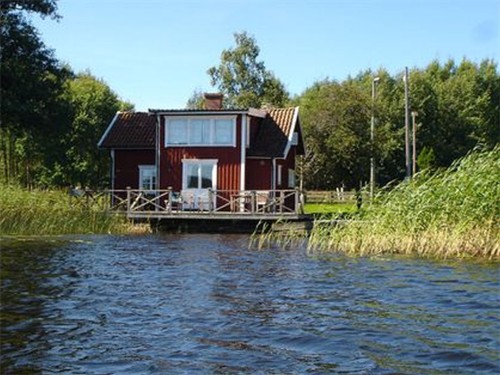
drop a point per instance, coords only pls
(129, 197)
(109, 200)
(254, 200)
(210, 200)
(170, 197)
(297, 201)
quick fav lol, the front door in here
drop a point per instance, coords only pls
(198, 175)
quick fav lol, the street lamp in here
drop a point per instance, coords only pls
(372, 138)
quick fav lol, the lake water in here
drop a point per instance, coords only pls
(184, 304)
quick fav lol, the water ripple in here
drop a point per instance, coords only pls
(186, 304)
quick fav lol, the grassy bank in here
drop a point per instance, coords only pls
(452, 213)
(49, 213)
(329, 208)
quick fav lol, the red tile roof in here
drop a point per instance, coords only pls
(132, 130)
(136, 130)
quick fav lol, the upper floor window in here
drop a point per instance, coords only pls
(200, 131)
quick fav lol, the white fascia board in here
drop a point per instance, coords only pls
(243, 149)
(113, 168)
(197, 113)
(108, 129)
(158, 150)
(292, 130)
(255, 112)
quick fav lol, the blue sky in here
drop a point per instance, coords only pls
(155, 53)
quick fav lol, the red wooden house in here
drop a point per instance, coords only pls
(196, 151)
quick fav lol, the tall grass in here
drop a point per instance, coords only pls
(49, 213)
(450, 213)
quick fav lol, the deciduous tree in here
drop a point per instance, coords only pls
(93, 105)
(243, 79)
(32, 81)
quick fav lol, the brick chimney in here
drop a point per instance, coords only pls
(213, 100)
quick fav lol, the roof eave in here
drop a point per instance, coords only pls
(292, 130)
(177, 112)
(122, 147)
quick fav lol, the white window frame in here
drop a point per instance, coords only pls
(142, 171)
(169, 132)
(185, 165)
(280, 175)
(212, 131)
(291, 178)
(198, 197)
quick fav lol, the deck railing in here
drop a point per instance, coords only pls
(226, 202)
(164, 203)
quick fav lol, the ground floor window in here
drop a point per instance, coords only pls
(291, 178)
(197, 177)
(199, 174)
(147, 177)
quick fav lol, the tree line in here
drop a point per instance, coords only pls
(51, 117)
(458, 106)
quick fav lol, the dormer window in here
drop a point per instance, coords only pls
(200, 131)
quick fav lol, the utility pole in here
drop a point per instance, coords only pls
(372, 139)
(414, 114)
(407, 126)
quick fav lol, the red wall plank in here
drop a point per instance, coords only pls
(258, 174)
(127, 166)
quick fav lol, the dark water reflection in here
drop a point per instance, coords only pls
(209, 304)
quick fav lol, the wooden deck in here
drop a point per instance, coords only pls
(254, 205)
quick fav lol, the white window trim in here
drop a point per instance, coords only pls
(247, 124)
(280, 174)
(147, 167)
(291, 178)
(212, 120)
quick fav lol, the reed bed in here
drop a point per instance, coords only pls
(267, 236)
(449, 213)
(50, 213)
